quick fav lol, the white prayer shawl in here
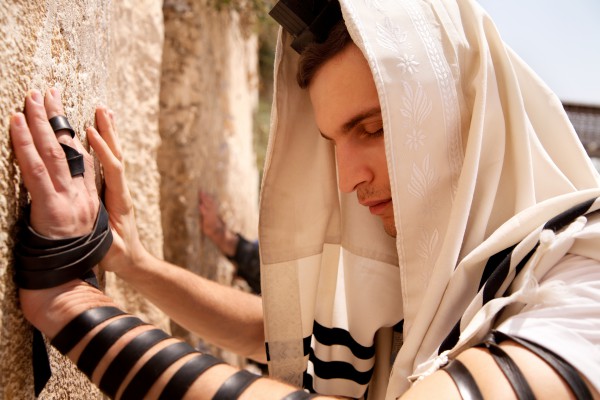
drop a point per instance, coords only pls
(481, 156)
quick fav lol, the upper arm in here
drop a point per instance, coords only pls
(566, 324)
(543, 380)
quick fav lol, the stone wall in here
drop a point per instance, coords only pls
(111, 52)
(209, 91)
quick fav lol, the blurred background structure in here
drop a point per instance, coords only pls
(559, 40)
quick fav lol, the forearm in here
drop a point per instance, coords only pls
(198, 305)
(71, 300)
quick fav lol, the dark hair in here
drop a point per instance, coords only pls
(316, 54)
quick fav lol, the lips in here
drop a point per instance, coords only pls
(377, 207)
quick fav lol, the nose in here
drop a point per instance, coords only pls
(353, 167)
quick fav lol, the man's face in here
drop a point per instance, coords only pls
(347, 111)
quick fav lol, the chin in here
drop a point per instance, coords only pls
(390, 228)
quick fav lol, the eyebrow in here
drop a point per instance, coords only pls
(355, 120)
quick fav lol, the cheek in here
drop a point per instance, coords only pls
(379, 164)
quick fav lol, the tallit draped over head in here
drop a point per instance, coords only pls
(480, 156)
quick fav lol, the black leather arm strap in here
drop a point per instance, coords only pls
(124, 361)
(81, 325)
(562, 367)
(467, 387)
(66, 339)
(233, 386)
(99, 345)
(247, 260)
(509, 368)
(182, 380)
(147, 375)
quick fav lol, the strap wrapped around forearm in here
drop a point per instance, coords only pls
(64, 341)
(146, 376)
(124, 361)
(81, 325)
(235, 385)
(465, 383)
(42, 262)
(181, 381)
(97, 347)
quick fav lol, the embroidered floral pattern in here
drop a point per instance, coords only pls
(416, 107)
(393, 38)
(408, 64)
(428, 243)
(415, 138)
(421, 179)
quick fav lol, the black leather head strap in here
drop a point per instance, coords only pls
(308, 21)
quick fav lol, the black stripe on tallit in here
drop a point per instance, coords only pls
(564, 218)
(494, 273)
(338, 336)
(307, 382)
(306, 345)
(339, 370)
(493, 263)
(497, 267)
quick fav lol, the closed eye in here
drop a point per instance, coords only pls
(374, 134)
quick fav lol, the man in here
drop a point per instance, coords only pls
(427, 107)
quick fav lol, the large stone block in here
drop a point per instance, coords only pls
(81, 48)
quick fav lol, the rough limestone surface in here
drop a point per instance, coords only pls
(209, 92)
(42, 44)
(184, 121)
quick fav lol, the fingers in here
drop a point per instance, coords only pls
(54, 107)
(105, 143)
(45, 142)
(206, 199)
(207, 206)
(106, 127)
(114, 174)
(34, 171)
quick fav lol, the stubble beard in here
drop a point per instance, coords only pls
(368, 192)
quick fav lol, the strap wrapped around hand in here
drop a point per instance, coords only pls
(43, 263)
(61, 122)
(75, 160)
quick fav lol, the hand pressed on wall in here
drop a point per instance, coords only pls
(65, 206)
(62, 205)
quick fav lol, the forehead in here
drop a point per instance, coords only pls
(342, 88)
